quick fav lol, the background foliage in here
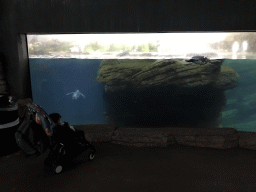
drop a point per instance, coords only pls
(49, 46)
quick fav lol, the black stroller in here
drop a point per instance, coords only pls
(35, 139)
(59, 156)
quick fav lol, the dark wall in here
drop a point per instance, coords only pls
(134, 15)
(99, 16)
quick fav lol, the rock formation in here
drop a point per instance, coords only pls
(166, 92)
(120, 74)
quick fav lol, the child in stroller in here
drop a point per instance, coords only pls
(41, 131)
(68, 143)
(66, 134)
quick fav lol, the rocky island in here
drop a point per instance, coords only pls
(165, 92)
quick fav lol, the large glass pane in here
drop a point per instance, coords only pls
(147, 79)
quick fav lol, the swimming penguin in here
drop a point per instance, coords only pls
(198, 60)
(76, 94)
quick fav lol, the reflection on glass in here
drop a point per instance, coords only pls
(235, 47)
(245, 45)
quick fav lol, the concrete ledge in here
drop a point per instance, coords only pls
(221, 138)
(200, 131)
(140, 141)
(247, 140)
(146, 132)
(141, 137)
(97, 132)
(141, 144)
(213, 141)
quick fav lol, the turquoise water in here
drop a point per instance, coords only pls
(240, 111)
(53, 79)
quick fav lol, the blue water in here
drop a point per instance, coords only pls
(53, 79)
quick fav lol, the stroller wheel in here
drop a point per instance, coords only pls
(91, 155)
(87, 155)
(58, 169)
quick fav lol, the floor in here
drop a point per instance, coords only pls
(125, 168)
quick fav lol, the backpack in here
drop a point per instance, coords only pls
(46, 121)
(31, 137)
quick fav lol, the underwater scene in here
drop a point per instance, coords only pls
(179, 92)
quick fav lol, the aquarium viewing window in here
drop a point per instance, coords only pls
(204, 79)
(239, 45)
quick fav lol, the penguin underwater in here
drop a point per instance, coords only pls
(76, 94)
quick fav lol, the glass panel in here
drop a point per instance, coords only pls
(150, 79)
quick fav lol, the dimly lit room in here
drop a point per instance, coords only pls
(127, 95)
